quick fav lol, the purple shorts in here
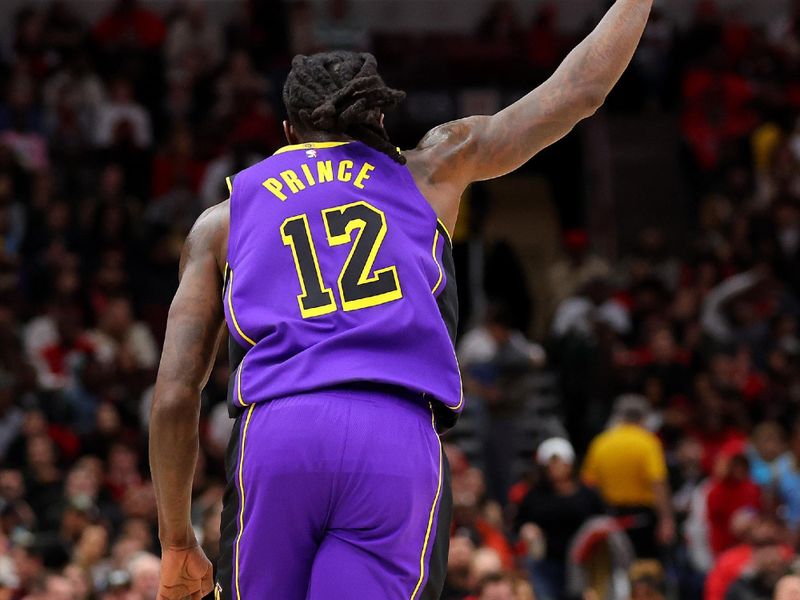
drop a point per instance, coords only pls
(338, 494)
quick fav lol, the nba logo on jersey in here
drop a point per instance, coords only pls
(217, 592)
(311, 153)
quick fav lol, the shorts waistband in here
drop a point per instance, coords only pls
(365, 389)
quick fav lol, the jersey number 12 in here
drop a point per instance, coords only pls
(359, 285)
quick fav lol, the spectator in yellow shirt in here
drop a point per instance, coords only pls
(627, 467)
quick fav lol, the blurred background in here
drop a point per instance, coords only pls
(629, 299)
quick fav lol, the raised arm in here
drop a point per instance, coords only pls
(193, 332)
(453, 155)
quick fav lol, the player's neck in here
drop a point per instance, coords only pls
(312, 137)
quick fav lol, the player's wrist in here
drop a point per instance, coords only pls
(180, 539)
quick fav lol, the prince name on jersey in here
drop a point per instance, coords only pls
(323, 171)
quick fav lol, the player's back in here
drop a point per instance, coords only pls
(339, 272)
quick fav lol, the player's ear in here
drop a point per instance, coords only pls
(288, 131)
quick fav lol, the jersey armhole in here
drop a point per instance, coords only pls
(233, 229)
(415, 191)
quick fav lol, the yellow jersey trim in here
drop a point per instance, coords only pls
(446, 231)
(241, 504)
(229, 183)
(436, 260)
(309, 146)
(432, 513)
(460, 384)
(233, 314)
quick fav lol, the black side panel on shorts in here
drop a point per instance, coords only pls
(229, 522)
(437, 567)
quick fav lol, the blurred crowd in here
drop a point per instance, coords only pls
(114, 135)
(671, 469)
(674, 470)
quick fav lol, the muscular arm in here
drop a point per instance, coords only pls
(193, 333)
(483, 147)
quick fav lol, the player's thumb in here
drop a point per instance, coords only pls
(197, 565)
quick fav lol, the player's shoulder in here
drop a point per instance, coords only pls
(252, 174)
(210, 232)
(452, 133)
(443, 163)
(213, 219)
(444, 142)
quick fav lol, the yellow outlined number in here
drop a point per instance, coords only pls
(316, 299)
(359, 286)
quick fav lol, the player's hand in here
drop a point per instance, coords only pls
(186, 574)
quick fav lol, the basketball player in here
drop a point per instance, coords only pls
(331, 266)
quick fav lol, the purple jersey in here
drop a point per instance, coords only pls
(339, 273)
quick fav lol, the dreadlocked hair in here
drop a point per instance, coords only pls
(341, 93)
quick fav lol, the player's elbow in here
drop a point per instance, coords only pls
(591, 99)
(587, 96)
(173, 400)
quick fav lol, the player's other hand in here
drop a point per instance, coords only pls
(186, 574)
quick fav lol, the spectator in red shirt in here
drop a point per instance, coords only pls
(716, 110)
(732, 491)
(714, 426)
(765, 531)
(58, 365)
(130, 25)
(476, 517)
